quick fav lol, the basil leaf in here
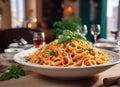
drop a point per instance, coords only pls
(80, 37)
(68, 33)
(52, 53)
(13, 72)
(5, 76)
(15, 76)
(64, 39)
(20, 71)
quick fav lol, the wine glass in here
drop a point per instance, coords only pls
(95, 31)
(82, 30)
(38, 39)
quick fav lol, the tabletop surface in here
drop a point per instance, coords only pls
(33, 79)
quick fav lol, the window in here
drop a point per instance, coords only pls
(112, 17)
(17, 12)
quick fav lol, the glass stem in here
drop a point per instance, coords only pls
(95, 38)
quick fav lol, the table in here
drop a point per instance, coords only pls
(33, 79)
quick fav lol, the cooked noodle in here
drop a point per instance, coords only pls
(72, 53)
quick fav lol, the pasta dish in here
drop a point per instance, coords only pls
(71, 53)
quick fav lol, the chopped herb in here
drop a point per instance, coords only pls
(90, 50)
(15, 50)
(13, 72)
(40, 48)
(52, 53)
(27, 60)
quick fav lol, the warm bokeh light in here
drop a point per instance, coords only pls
(20, 20)
(29, 25)
(69, 9)
(34, 20)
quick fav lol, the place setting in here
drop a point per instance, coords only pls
(45, 67)
(49, 62)
(59, 43)
(71, 57)
(103, 43)
(22, 45)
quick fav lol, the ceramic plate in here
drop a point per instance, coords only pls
(66, 72)
(106, 45)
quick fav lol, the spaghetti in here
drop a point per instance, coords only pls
(72, 53)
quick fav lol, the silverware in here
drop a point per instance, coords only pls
(23, 41)
(18, 42)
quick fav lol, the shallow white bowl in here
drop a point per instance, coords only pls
(67, 72)
(10, 52)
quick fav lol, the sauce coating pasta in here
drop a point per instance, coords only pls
(72, 53)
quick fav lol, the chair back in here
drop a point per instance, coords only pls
(8, 36)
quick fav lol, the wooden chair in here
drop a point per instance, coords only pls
(9, 35)
(116, 33)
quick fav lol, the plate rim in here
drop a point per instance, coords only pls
(112, 46)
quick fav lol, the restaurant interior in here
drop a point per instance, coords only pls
(21, 20)
(38, 15)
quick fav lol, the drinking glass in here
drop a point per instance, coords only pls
(83, 30)
(95, 31)
(38, 39)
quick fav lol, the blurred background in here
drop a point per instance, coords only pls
(41, 15)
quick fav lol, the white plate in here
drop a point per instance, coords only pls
(106, 45)
(67, 72)
(15, 45)
(10, 52)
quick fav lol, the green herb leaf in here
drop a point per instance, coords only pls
(66, 24)
(5, 76)
(52, 53)
(15, 76)
(13, 72)
(68, 33)
(16, 51)
(80, 37)
(20, 71)
(64, 39)
(90, 50)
